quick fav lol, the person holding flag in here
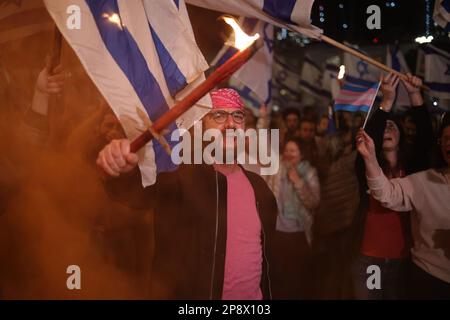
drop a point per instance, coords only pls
(382, 235)
(425, 194)
(213, 223)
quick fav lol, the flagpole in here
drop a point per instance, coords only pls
(219, 75)
(358, 54)
(365, 58)
(55, 107)
(56, 50)
(371, 106)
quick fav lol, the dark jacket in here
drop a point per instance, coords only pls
(190, 216)
(414, 159)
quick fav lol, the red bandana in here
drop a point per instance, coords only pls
(226, 98)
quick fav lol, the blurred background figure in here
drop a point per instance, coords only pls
(322, 126)
(297, 190)
(307, 135)
(291, 117)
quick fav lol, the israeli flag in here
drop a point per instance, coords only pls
(437, 72)
(396, 60)
(441, 14)
(291, 14)
(358, 69)
(142, 56)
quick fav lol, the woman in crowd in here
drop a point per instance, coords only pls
(383, 235)
(426, 195)
(296, 188)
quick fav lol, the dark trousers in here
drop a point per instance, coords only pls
(290, 273)
(424, 286)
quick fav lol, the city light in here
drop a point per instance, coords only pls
(341, 72)
(424, 39)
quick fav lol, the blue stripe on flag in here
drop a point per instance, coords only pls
(361, 82)
(351, 107)
(281, 9)
(269, 96)
(438, 86)
(349, 87)
(124, 50)
(174, 78)
(395, 64)
(447, 27)
(331, 128)
(245, 93)
(431, 50)
(315, 89)
(280, 86)
(268, 39)
(284, 65)
(311, 62)
(227, 55)
(394, 59)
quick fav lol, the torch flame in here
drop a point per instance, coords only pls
(241, 39)
(113, 18)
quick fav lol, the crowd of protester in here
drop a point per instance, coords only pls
(347, 199)
(358, 224)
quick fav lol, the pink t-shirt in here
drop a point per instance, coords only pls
(243, 259)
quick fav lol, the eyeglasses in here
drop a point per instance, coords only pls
(221, 116)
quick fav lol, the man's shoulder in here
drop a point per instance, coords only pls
(189, 170)
(253, 177)
(258, 182)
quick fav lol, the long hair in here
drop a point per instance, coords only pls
(438, 162)
(401, 151)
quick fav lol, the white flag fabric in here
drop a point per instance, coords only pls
(330, 82)
(140, 55)
(437, 72)
(441, 14)
(396, 60)
(291, 14)
(256, 74)
(251, 100)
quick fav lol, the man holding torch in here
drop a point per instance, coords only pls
(213, 223)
